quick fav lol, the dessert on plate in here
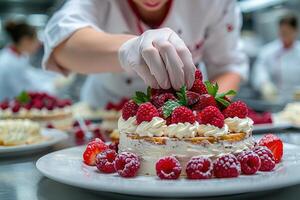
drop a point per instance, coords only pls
(40, 107)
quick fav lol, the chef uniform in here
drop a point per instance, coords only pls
(209, 28)
(280, 67)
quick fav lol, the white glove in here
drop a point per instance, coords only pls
(160, 58)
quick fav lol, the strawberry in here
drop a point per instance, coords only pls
(182, 114)
(129, 109)
(273, 143)
(204, 101)
(198, 75)
(93, 148)
(159, 100)
(199, 87)
(146, 112)
(192, 97)
(211, 115)
(237, 109)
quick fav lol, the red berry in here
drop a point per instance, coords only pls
(114, 146)
(4, 105)
(93, 148)
(110, 106)
(119, 106)
(199, 87)
(50, 126)
(127, 164)
(159, 100)
(28, 106)
(168, 168)
(237, 109)
(129, 109)
(155, 92)
(16, 107)
(211, 115)
(182, 114)
(266, 158)
(198, 74)
(105, 161)
(79, 134)
(192, 97)
(250, 162)
(205, 100)
(227, 166)
(273, 143)
(199, 168)
(38, 104)
(146, 112)
(98, 134)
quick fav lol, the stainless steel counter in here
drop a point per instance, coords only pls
(20, 180)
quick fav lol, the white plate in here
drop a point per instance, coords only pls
(54, 136)
(66, 166)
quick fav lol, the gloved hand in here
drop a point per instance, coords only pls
(160, 58)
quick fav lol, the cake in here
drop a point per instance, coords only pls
(40, 107)
(19, 132)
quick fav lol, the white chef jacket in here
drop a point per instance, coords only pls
(279, 66)
(16, 75)
(210, 29)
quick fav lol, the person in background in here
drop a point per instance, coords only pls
(16, 73)
(277, 69)
(154, 41)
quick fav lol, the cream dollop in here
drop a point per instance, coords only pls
(156, 127)
(238, 125)
(182, 130)
(127, 126)
(210, 130)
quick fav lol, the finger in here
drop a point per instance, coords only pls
(144, 72)
(186, 57)
(172, 62)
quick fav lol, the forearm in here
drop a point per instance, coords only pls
(228, 81)
(89, 51)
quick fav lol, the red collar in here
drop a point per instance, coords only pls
(138, 16)
(15, 50)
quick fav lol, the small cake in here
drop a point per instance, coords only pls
(40, 107)
(19, 132)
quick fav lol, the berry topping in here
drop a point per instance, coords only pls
(168, 168)
(205, 100)
(250, 162)
(237, 109)
(16, 107)
(105, 161)
(227, 166)
(199, 168)
(273, 143)
(129, 109)
(211, 115)
(79, 134)
(182, 114)
(114, 146)
(127, 164)
(50, 126)
(146, 112)
(159, 100)
(198, 74)
(192, 98)
(93, 148)
(266, 158)
(4, 105)
(199, 87)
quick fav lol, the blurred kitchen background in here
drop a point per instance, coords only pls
(259, 27)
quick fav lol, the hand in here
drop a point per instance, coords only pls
(160, 58)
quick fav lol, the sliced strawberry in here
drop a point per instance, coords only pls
(273, 143)
(93, 148)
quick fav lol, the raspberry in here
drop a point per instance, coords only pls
(79, 134)
(38, 104)
(205, 100)
(266, 158)
(211, 115)
(50, 126)
(4, 105)
(182, 114)
(237, 109)
(199, 87)
(159, 100)
(114, 146)
(155, 92)
(105, 161)
(198, 74)
(227, 166)
(168, 168)
(146, 112)
(129, 109)
(93, 148)
(273, 143)
(250, 162)
(119, 106)
(192, 97)
(199, 168)
(127, 164)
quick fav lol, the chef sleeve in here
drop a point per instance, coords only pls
(260, 75)
(74, 15)
(222, 51)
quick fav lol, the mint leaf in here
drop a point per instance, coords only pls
(223, 101)
(141, 97)
(182, 96)
(23, 97)
(212, 89)
(169, 107)
(228, 93)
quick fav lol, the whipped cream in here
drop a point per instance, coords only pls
(156, 127)
(210, 130)
(182, 130)
(127, 126)
(238, 125)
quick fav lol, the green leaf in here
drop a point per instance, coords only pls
(212, 89)
(223, 101)
(228, 93)
(182, 96)
(141, 97)
(169, 107)
(149, 92)
(23, 97)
